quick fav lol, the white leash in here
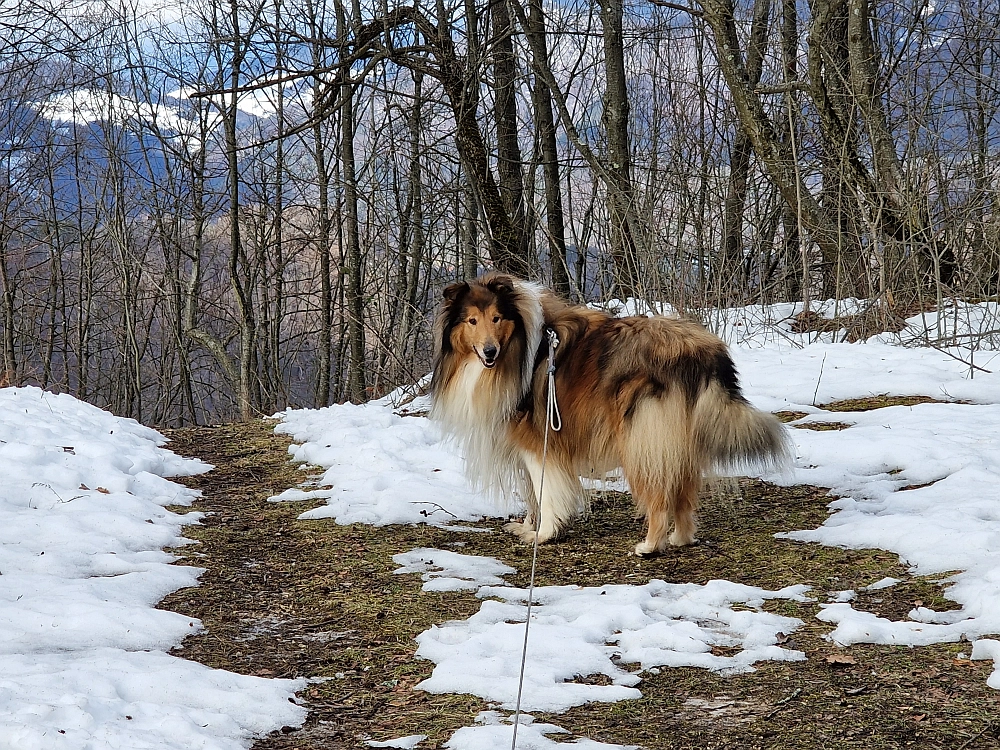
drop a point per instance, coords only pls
(554, 420)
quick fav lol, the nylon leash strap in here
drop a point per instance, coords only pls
(553, 420)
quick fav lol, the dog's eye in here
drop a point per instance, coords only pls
(472, 321)
(496, 318)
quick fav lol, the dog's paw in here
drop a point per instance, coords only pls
(526, 532)
(645, 549)
(682, 540)
(523, 531)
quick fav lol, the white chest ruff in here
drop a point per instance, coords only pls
(479, 424)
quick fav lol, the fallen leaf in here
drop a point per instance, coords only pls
(918, 603)
(84, 487)
(919, 717)
(104, 491)
(840, 660)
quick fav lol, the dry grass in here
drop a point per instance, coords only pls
(821, 426)
(283, 597)
(881, 401)
(868, 403)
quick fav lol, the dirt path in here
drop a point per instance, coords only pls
(289, 598)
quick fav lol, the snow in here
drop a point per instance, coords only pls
(883, 583)
(381, 468)
(921, 481)
(988, 648)
(82, 531)
(578, 631)
(443, 570)
(494, 731)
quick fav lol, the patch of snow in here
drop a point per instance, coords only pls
(443, 570)
(951, 524)
(581, 631)
(494, 731)
(383, 468)
(82, 531)
(921, 481)
(884, 583)
(988, 648)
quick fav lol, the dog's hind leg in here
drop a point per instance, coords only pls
(664, 473)
(651, 503)
(672, 498)
(557, 501)
(684, 504)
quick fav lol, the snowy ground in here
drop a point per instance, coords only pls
(921, 481)
(82, 533)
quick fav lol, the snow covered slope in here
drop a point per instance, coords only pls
(82, 532)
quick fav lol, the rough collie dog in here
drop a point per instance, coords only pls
(658, 397)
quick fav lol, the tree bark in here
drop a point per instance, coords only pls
(624, 250)
(732, 278)
(509, 172)
(356, 389)
(555, 230)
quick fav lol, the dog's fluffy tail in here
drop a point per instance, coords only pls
(734, 434)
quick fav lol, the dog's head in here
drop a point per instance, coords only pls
(480, 317)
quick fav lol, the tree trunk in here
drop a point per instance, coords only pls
(324, 364)
(907, 206)
(624, 245)
(775, 155)
(791, 242)
(732, 279)
(244, 305)
(511, 177)
(555, 231)
(356, 389)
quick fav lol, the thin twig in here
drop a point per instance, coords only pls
(675, 6)
(780, 704)
(820, 378)
(976, 736)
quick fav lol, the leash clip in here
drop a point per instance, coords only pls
(553, 345)
(553, 416)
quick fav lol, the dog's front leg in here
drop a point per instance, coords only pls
(556, 501)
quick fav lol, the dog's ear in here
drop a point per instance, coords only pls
(501, 285)
(453, 291)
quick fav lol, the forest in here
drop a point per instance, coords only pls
(218, 209)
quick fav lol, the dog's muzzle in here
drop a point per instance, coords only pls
(489, 356)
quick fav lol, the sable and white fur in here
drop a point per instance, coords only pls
(658, 397)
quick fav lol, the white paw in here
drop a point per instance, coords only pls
(523, 531)
(644, 548)
(682, 540)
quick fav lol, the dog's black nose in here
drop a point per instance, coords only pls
(490, 351)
